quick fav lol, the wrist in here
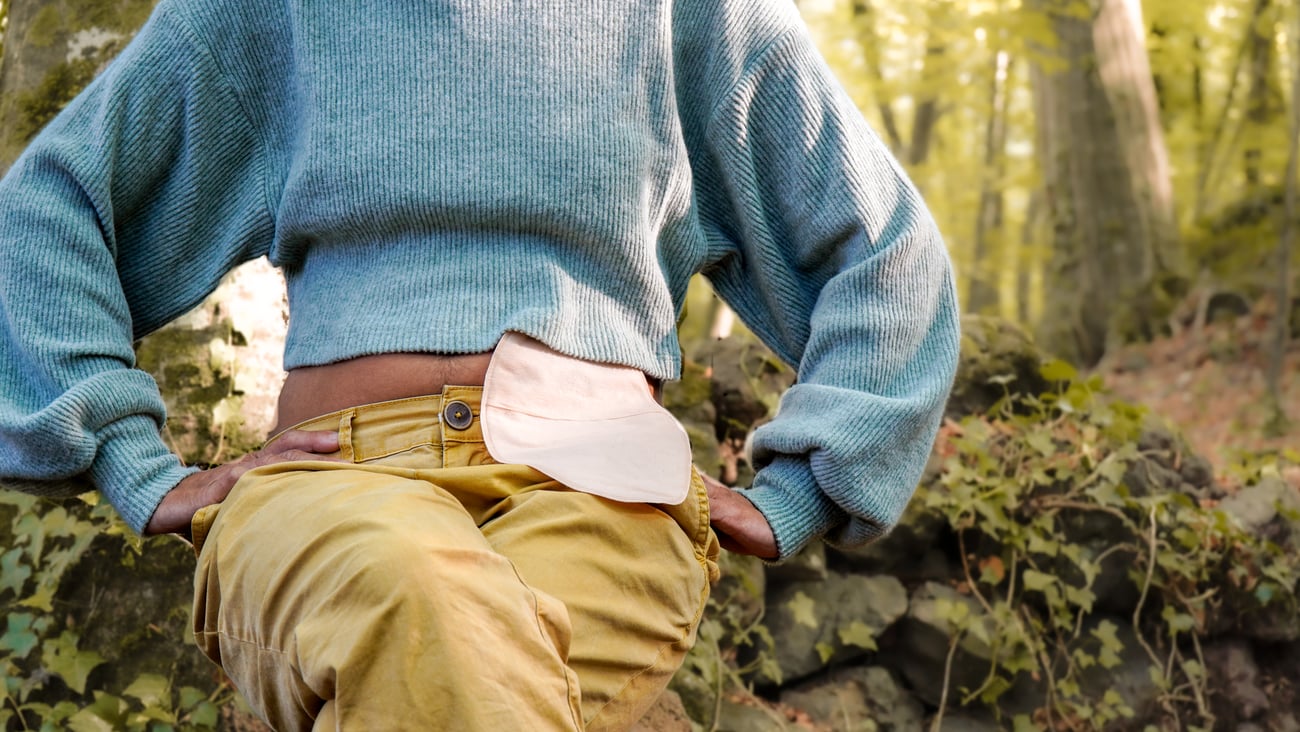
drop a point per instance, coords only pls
(787, 495)
(178, 506)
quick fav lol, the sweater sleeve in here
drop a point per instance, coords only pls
(121, 215)
(825, 249)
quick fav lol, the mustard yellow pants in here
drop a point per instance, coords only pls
(423, 586)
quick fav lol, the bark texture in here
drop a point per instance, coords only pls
(1125, 70)
(1100, 255)
(989, 235)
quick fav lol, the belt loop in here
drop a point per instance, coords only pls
(346, 450)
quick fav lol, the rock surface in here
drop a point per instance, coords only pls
(816, 624)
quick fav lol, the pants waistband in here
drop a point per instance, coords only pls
(371, 431)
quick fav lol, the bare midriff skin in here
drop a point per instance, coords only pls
(317, 390)
(311, 391)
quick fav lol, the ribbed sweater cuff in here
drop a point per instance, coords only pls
(133, 469)
(786, 493)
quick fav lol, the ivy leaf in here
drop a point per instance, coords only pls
(956, 613)
(12, 574)
(825, 651)
(710, 630)
(161, 717)
(859, 634)
(150, 689)
(29, 527)
(21, 501)
(1037, 581)
(1057, 370)
(62, 657)
(802, 607)
(992, 570)
(58, 561)
(204, 715)
(1081, 597)
(191, 696)
(43, 599)
(1039, 544)
(768, 668)
(996, 687)
(88, 721)
(19, 637)
(108, 713)
(1113, 469)
(1157, 675)
(1106, 632)
(58, 522)
(62, 711)
(1042, 442)
(1177, 622)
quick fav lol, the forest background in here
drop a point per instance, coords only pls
(1108, 174)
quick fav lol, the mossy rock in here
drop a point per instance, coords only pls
(135, 612)
(997, 359)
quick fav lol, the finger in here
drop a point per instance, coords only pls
(740, 526)
(711, 483)
(313, 441)
(223, 477)
(742, 545)
(725, 504)
(292, 455)
(729, 543)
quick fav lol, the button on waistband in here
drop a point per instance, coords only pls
(457, 415)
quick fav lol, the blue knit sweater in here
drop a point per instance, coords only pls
(431, 174)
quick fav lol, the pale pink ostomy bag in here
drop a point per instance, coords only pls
(595, 427)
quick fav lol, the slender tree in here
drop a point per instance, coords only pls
(984, 290)
(1262, 104)
(1253, 62)
(1125, 70)
(1286, 242)
(1101, 260)
(926, 115)
(870, 43)
(4, 23)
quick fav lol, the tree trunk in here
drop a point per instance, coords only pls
(1029, 272)
(1101, 263)
(1286, 241)
(1125, 70)
(1261, 106)
(1208, 169)
(988, 224)
(870, 44)
(4, 23)
(927, 111)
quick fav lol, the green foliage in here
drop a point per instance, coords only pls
(1021, 489)
(48, 677)
(729, 631)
